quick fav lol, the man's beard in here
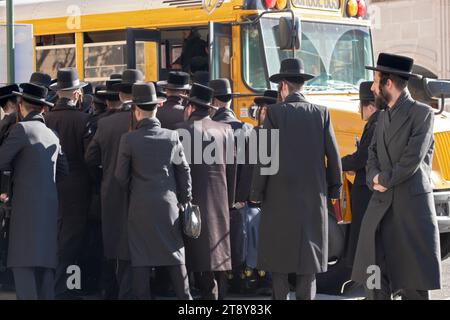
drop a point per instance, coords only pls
(382, 99)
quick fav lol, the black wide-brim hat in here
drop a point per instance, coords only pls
(34, 94)
(177, 80)
(292, 69)
(269, 97)
(201, 77)
(222, 89)
(129, 78)
(145, 97)
(365, 92)
(41, 79)
(395, 64)
(67, 79)
(109, 92)
(201, 95)
(7, 91)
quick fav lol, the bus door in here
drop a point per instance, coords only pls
(143, 51)
(220, 50)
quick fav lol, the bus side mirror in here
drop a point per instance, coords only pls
(438, 89)
(290, 33)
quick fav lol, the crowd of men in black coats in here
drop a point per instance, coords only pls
(118, 166)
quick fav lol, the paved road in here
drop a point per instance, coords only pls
(443, 294)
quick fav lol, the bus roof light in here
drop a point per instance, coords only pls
(281, 4)
(362, 8)
(269, 4)
(352, 8)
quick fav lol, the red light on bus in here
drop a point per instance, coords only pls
(269, 4)
(362, 8)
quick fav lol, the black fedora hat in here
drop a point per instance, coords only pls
(115, 76)
(129, 78)
(177, 80)
(201, 77)
(41, 79)
(34, 93)
(269, 97)
(108, 92)
(292, 69)
(395, 64)
(145, 97)
(159, 90)
(67, 79)
(222, 89)
(6, 92)
(201, 95)
(100, 87)
(365, 91)
(99, 99)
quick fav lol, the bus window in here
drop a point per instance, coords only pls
(181, 46)
(220, 50)
(336, 53)
(105, 53)
(54, 52)
(348, 53)
(253, 68)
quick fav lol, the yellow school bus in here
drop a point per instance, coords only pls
(100, 37)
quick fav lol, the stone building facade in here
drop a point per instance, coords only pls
(416, 28)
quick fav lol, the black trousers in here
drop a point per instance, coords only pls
(305, 286)
(34, 283)
(108, 280)
(141, 282)
(124, 279)
(73, 205)
(213, 285)
(385, 291)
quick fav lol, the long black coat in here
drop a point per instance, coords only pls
(294, 216)
(360, 194)
(147, 167)
(72, 127)
(171, 112)
(32, 151)
(401, 153)
(5, 125)
(242, 132)
(213, 191)
(102, 151)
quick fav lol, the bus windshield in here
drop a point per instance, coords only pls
(335, 53)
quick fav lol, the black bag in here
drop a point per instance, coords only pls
(192, 222)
